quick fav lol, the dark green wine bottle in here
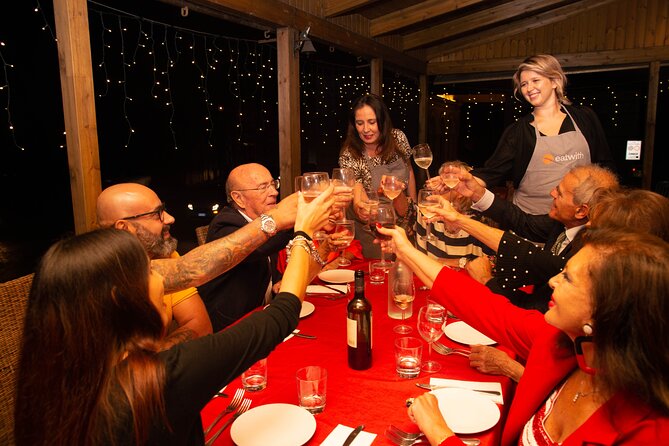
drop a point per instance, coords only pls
(359, 327)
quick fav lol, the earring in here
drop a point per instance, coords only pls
(587, 329)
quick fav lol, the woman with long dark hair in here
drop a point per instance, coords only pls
(91, 371)
(596, 370)
(374, 148)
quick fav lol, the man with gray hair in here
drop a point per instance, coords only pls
(521, 260)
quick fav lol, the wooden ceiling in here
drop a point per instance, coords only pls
(459, 38)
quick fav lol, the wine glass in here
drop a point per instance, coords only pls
(404, 292)
(422, 155)
(392, 186)
(313, 184)
(449, 175)
(343, 179)
(343, 242)
(431, 318)
(385, 216)
(423, 207)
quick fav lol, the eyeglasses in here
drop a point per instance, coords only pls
(159, 212)
(276, 184)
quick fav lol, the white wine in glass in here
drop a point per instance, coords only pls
(348, 228)
(423, 206)
(392, 186)
(422, 155)
(404, 292)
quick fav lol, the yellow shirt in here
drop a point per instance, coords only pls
(174, 299)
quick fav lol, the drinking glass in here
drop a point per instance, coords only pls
(385, 216)
(313, 184)
(431, 318)
(422, 155)
(423, 207)
(343, 242)
(404, 293)
(343, 179)
(312, 388)
(392, 186)
(297, 183)
(449, 175)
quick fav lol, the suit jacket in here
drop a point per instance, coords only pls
(624, 419)
(241, 289)
(520, 262)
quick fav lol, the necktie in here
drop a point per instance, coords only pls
(557, 246)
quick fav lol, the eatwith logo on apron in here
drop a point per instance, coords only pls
(552, 158)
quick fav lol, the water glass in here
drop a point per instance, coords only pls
(312, 384)
(377, 273)
(408, 356)
(255, 377)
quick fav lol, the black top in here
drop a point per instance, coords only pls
(516, 146)
(197, 369)
(234, 293)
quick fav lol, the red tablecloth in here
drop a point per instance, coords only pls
(374, 397)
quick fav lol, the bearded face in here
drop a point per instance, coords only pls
(158, 246)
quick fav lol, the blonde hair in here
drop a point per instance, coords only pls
(548, 66)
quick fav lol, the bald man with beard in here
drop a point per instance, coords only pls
(137, 209)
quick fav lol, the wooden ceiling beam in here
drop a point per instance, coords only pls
(334, 8)
(513, 28)
(570, 62)
(475, 21)
(276, 14)
(415, 14)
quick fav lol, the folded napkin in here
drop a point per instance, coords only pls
(474, 385)
(320, 289)
(339, 434)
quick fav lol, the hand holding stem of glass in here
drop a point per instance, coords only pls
(424, 205)
(347, 230)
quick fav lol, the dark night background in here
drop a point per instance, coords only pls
(181, 101)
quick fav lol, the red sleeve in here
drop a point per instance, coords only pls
(281, 261)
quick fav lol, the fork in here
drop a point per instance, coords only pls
(234, 404)
(442, 349)
(396, 434)
(240, 410)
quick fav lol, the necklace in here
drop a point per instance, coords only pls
(582, 394)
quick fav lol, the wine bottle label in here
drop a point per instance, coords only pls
(352, 332)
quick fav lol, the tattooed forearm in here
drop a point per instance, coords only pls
(211, 259)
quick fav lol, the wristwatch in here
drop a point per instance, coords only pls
(462, 262)
(267, 225)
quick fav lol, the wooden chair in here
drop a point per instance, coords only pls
(13, 303)
(201, 233)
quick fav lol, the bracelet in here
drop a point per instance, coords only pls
(308, 246)
(302, 234)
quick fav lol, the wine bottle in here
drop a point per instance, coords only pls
(359, 327)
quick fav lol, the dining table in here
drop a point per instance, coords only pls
(375, 397)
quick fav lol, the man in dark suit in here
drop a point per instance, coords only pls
(251, 192)
(540, 245)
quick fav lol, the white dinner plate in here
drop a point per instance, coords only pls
(307, 309)
(337, 276)
(466, 411)
(466, 334)
(273, 424)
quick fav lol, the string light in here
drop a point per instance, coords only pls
(7, 91)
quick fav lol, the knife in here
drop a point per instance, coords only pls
(431, 387)
(334, 289)
(303, 335)
(352, 435)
